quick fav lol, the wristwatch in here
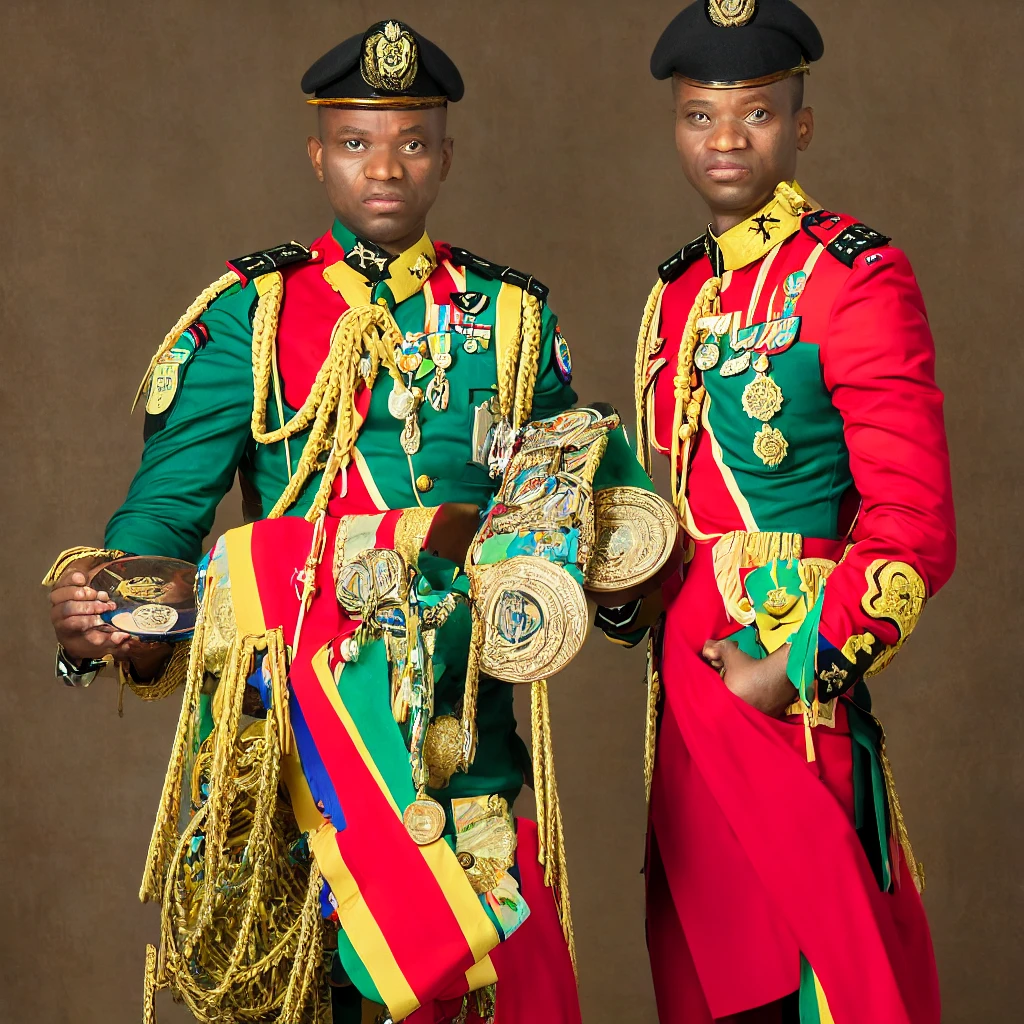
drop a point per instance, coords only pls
(76, 675)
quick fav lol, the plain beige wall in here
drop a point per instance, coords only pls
(143, 144)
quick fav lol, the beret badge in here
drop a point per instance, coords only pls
(731, 13)
(390, 58)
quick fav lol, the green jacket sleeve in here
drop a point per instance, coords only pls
(551, 395)
(193, 450)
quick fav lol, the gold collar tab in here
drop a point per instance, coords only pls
(753, 238)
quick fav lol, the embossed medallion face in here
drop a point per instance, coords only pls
(390, 58)
(154, 618)
(535, 618)
(442, 749)
(636, 533)
(762, 399)
(424, 821)
(155, 597)
(731, 13)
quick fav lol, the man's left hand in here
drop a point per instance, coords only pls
(763, 683)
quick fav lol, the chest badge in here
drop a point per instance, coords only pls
(473, 303)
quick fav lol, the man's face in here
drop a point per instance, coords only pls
(382, 169)
(736, 145)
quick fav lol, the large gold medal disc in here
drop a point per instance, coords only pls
(535, 618)
(762, 399)
(424, 820)
(636, 532)
(442, 749)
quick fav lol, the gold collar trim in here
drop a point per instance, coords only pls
(753, 238)
(407, 274)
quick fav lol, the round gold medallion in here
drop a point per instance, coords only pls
(535, 618)
(636, 533)
(424, 820)
(770, 446)
(762, 399)
(442, 749)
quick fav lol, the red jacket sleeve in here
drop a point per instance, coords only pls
(879, 365)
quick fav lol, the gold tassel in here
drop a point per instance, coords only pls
(644, 350)
(165, 828)
(550, 835)
(651, 731)
(686, 418)
(308, 953)
(898, 823)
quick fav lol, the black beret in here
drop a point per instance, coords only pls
(390, 64)
(731, 43)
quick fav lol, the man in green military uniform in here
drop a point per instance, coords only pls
(367, 391)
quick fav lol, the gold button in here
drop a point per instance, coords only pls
(382, 301)
(424, 483)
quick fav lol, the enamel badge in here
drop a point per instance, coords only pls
(563, 360)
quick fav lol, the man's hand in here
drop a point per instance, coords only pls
(75, 610)
(452, 531)
(761, 683)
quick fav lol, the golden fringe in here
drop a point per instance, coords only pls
(686, 417)
(550, 835)
(898, 823)
(741, 550)
(165, 828)
(189, 317)
(175, 672)
(65, 559)
(651, 730)
(644, 349)
(149, 987)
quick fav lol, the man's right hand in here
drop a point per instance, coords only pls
(75, 610)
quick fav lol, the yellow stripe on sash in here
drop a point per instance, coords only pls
(245, 593)
(824, 1013)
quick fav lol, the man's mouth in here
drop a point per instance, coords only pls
(384, 202)
(727, 172)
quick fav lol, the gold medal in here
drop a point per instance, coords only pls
(762, 399)
(154, 618)
(636, 533)
(535, 618)
(424, 820)
(762, 364)
(707, 356)
(770, 446)
(442, 750)
(736, 365)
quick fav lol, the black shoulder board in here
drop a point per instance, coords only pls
(854, 241)
(676, 264)
(496, 272)
(269, 260)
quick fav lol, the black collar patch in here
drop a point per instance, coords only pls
(369, 260)
(473, 303)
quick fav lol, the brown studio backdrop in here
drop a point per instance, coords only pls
(144, 144)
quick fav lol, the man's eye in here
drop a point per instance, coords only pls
(414, 146)
(699, 118)
(353, 145)
(758, 115)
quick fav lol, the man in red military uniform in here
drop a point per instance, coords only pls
(786, 368)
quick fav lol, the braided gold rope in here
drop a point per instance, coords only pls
(330, 405)
(149, 987)
(66, 558)
(471, 689)
(528, 361)
(899, 824)
(174, 674)
(411, 531)
(509, 347)
(165, 828)
(189, 317)
(644, 348)
(686, 417)
(550, 834)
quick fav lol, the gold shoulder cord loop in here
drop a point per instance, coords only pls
(528, 360)
(686, 417)
(644, 349)
(189, 317)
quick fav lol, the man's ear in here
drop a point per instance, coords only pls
(315, 149)
(804, 128)
(447, 155)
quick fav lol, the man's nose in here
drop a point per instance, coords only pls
(727, 137)
(383, 165)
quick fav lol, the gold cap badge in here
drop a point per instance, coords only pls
(390, 58)
(731, 13)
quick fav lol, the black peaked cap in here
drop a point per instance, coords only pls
(769, 38)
